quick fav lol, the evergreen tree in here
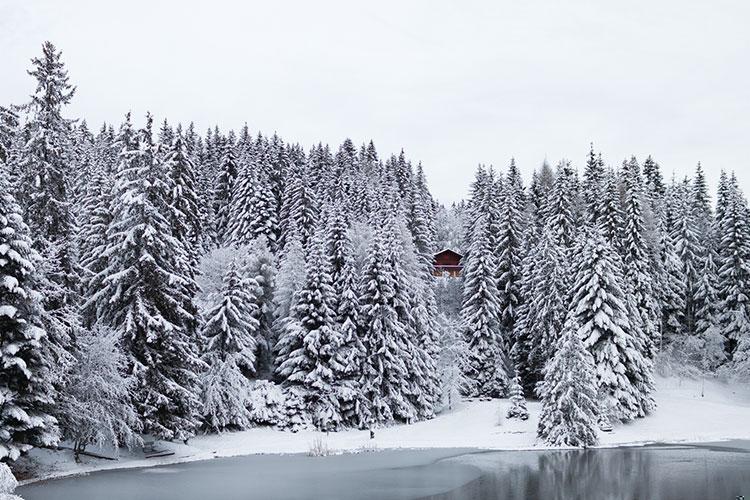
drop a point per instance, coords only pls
(24, 377)
(143, 295)
(307, 347)
(545, 289)
(230, 335)
(351, 353)
(611, 222)
(185, 219)
(600, 314)
(509, 246)
(8, 125)
(517, 401)
(734, 273)
(481, 314)
(593, 186)
(45, 176)
(688, 248)
(223, 192)
(636, 262)
(385, 380)
(561, 211)
(570, 393)
(707, 315)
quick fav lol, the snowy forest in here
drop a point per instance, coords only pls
(161, 281)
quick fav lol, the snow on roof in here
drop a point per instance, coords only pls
(449, 250)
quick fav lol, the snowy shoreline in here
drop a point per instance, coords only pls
(721, 415)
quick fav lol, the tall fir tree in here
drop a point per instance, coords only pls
(481, 315)
(27, 392)
(143, 295)
(230, 337)
(569, 393)
(599, 306)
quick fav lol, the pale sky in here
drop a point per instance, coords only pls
(453, 83)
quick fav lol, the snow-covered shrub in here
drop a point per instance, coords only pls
(95, 405)
(266, 403)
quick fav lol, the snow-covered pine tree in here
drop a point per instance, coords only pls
(142, 295)
(734, 275)
(45, 177)
(299, 204)
(351, 353)
(230, 337)
(306, 348)
(385, 376)
(561, 209)
(654, 182)
(92, 233)
(611, 222)
(545, 288)
(260, 264)
(672, 293)
(253, 210)
(509, 247)
(24, 376)
(8, 126)
(636, 263)
(689, 248)
(707, 305)
(600, 314)
(223, 191)
(593, 186)
(417, 309)
(480, 311)
(570, 393)
(517, 407)
(185, 219)
(291, 274)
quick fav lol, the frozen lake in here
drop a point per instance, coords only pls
(655, 472)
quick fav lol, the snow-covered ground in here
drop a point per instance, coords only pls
(683, 415)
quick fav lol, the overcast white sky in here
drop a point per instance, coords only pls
(453, 83)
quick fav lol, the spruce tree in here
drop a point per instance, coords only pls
(561, 211)
(143, 295)
(600, 313)
(570, 393)
(545, 289)
(384, 379)
(45, 176)
(481, 315)
(734, 274)
(230, 337)
(509, 245)
(223, 192)
(636, 261)
(307, 347)
(24, 377)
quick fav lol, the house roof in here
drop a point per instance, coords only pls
(448, 250)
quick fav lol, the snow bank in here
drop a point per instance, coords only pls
(683, 415)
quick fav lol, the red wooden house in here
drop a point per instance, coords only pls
(448, 262)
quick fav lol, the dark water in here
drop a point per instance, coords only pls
(655, 472)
